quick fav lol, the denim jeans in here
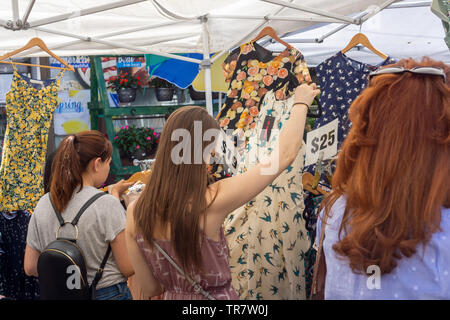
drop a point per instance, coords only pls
(117, 291)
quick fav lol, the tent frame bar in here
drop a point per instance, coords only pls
(377, 10)
(411, 4)
(84, 12)
(323, 16)
(15, 9)
(105, 35)
(312, 10)
(27, 14)
(117, 45)
(275, 18)
(362, 17)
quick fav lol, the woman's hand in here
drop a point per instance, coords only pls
(305, 93)
(119, 188)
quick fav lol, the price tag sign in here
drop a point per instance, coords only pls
(323, 139)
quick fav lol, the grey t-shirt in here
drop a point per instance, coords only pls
(99, 225)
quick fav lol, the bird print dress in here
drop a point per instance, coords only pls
(267, 236)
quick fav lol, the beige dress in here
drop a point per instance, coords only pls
(267, 237)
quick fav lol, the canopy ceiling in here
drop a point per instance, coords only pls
(180, 29)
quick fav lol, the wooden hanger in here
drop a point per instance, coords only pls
(141, 176)
(360, 38)
(268, 31)
(307, 181)
(39, 43)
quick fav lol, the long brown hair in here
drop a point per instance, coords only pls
(71, 160)
(394, 167)
(175, 193)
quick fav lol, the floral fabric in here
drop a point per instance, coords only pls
(267, 237)
(252, 71)
(29, 115)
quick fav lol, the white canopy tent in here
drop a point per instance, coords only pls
(84, 27)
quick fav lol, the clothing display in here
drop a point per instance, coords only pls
(216, 278)
(310, 214)
(14, 284)
(253, 71)
(267, 237)
(30, 111)
(341, 80)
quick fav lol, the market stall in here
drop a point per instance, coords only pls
(266, 48)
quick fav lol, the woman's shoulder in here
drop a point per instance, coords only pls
(108, 201)
(43, 205)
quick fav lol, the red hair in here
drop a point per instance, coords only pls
(394, 167)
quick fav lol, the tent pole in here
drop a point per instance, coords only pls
(15, 10)
(206, 64)
(84, 12)
(27, 12)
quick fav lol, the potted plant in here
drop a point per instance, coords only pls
(164, 89)
(126, 86)
(136, 143)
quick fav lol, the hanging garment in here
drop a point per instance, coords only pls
(29, 115)
(310, 214)
(267, 236)
(14, 283)
(341, 80)
(252, 71)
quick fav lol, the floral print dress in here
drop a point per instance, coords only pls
(252, 71)
(29, 116)
(267, 237)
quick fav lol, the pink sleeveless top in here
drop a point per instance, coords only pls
(216, 278)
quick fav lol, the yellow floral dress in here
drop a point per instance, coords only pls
(29, 116)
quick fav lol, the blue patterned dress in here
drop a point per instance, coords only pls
(341, 80)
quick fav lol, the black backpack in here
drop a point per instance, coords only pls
(62, 267)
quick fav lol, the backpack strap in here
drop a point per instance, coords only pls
(58, 215)
(99, 273)
(85, 206)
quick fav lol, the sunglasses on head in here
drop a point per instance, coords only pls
(418, 70)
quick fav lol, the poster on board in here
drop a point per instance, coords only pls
(72, 114)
